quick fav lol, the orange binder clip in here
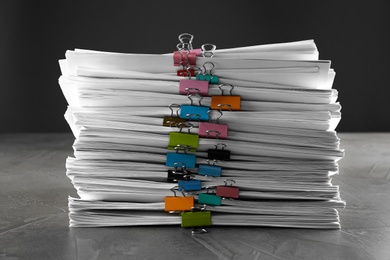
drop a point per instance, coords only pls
(226, 102)
(173, 203)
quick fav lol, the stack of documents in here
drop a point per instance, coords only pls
(256, 147)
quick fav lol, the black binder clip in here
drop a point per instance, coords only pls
(178, 174)
(218, 154)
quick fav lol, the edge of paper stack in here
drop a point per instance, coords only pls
(268, 162)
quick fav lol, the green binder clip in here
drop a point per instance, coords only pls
(196, 219)
(183, 139)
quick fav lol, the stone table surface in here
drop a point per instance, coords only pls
(34, 216)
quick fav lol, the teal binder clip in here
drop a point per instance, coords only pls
(173, 159)
(212, 79)
(207, 74)
(183, 139)
(196, 219)
(192, 112)
(209, 199)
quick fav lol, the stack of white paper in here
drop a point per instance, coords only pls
(283, 144)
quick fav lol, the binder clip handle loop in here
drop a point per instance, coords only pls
(225, 105)
(194, 209)
(217, 133)
(182, 190)
(196, 95)
(186, 38)
(182, 166)
(214, 162)
(184, 124)
(181, 147)
(198, 231)
(189, 117)
(184, 46)
(174, 189)
(189, 91)
(212, 111)
(221, 144)
(205, 70)
(174, 105)
(226, 85)
(188, 69)
(210, 188)
(188, 176)
(198, 69)
(229, 180)
(208, 52)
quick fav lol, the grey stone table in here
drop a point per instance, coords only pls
(34, 217)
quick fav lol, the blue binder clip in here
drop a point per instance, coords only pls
(189, 160)
(192, 112)
(209, 170)
(190, 185)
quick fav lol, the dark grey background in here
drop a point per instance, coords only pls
(35, 34)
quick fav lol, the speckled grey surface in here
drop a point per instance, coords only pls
(34, 221)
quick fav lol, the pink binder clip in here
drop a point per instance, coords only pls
(211, 130)
(182, 58)
(186, 85)
(198, 52)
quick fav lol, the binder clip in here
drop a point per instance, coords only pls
(187, 71)
(209, 199)
(184, 55)
(218, 154)
(208, 53)
(196, 218)
(191, 112)
(207, 75)
(186, 40)
(188, 86)
(189, 160)
(171, 120)
(223, 102)
(228, 191)
(184, 178)
(190, 185)
(183, 139)
(175, 175)
(209, 170)
(213, 130)
(174, 203)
